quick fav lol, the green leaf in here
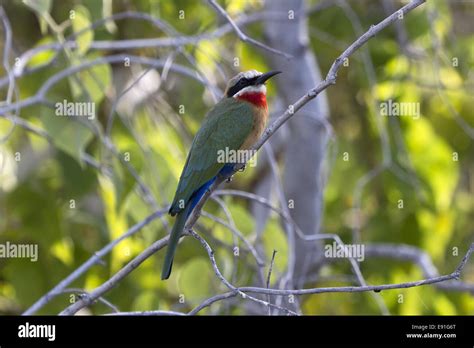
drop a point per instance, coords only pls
(40, 6)
(436, 229)
(194, 279)
(145, 301)
(124, 183)
(397, 67)
(206, 52)
(63, 250)
(80, 21)
(107, 11)
(116, 222)
(93, 82)
(274, 238)
(443, 306)
(243, 219)
(22, 274)
(42, 57)
(67, 133)
(433, 160)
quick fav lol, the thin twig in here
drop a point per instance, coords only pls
(147, 313)
(219, 275)
(113, 281)
(83, 292)
(241, 34)
(237, 233)
(270, 269)
(377, 288)
(40, 96)
(91, 262)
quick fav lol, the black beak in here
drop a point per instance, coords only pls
(264, 77)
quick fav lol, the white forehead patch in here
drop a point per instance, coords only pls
(251, 74)
(244, 74)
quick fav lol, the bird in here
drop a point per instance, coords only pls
(235, 123)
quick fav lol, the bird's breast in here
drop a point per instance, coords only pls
(260, 115)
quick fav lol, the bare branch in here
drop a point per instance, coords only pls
(219, 275)
(147, 313)
(235, 239)
(96, 258)
(271, 268)
(269, 277)
(421, 259)
(236, 232)
(239, 32)
(122, 273)
(109, 284)
(83, 292)
(376, 288)
(212, 300)
(120, 45)
(6, 53)
(6, 65)
(40, 96)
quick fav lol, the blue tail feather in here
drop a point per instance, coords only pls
(225, 171)
(181, 218)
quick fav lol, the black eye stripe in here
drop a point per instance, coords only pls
(243, 82)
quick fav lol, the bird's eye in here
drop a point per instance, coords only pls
(239, 85)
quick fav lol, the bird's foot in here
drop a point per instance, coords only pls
(229, 179)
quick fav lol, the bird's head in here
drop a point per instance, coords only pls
(248, 82)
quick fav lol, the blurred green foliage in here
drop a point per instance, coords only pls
(70, 209)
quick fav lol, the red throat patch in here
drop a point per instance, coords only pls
(256, 98)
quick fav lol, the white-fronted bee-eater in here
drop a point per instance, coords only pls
(235, 123)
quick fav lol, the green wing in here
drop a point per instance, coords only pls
(227, 124)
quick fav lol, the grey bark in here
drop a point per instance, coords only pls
(306, 146)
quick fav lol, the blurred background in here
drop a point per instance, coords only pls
(401, 186)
